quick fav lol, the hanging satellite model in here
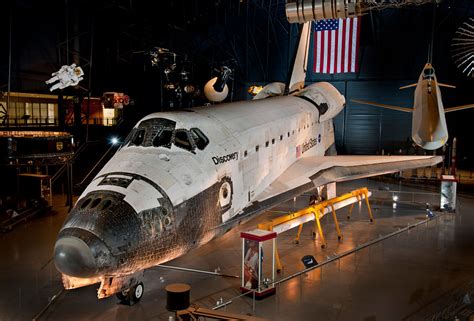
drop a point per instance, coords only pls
(462, 48)
(216, 89)
(175, 77)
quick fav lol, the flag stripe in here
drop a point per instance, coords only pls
(353, 49)
(343, 51)
(346, 54)
(351, 33)
(333, 50)
(321, 55)
(339, 49)
(357, 45)
(315, 52)
(325, 52)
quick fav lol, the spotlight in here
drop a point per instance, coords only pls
(395, 198)
(114, 140)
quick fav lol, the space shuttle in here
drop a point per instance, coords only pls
(182, 178)
(429, 129)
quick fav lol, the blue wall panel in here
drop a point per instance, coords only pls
(362, 129)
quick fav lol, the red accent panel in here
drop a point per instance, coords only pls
(253, 237)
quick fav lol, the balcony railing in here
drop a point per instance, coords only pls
(51, 122)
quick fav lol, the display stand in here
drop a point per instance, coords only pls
(448, 193)
(254, 281)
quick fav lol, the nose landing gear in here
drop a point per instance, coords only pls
(128, 288)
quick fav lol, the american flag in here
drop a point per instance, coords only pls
(298, 151)
(336, 43)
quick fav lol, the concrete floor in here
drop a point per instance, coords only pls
(401, 278)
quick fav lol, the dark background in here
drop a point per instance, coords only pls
(254, 39)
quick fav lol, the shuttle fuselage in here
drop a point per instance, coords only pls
(182, 178)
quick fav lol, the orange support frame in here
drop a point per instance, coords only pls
(318, 211)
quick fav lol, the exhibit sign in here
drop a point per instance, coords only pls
(253, 260)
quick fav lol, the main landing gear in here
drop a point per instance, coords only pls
(131, 295)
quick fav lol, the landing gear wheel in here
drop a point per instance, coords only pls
(124, 296)
(132, 295)
(137, 292)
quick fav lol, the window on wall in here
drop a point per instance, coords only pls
(11, 112)
(36, 113)
(19, 112)
(28, 112)
(24, 113)
(44, 113)
(52, 110)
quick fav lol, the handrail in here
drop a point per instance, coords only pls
(96, 164)
(63, 167)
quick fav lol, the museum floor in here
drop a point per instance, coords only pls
(406, 277)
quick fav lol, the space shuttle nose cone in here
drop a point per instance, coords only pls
(73, 257)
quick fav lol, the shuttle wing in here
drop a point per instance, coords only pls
(446, 85)
(309, 172)
(450, 109)
(408, 86)
(404, 109)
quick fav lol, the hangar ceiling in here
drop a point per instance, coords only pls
(251, 35)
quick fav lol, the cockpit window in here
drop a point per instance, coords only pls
(163, 138)
(161, 132)
(428, 73)
(200, 139)
(147, 131)
(181, 139)
(138, 137)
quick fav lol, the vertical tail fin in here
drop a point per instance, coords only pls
(300, 62)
